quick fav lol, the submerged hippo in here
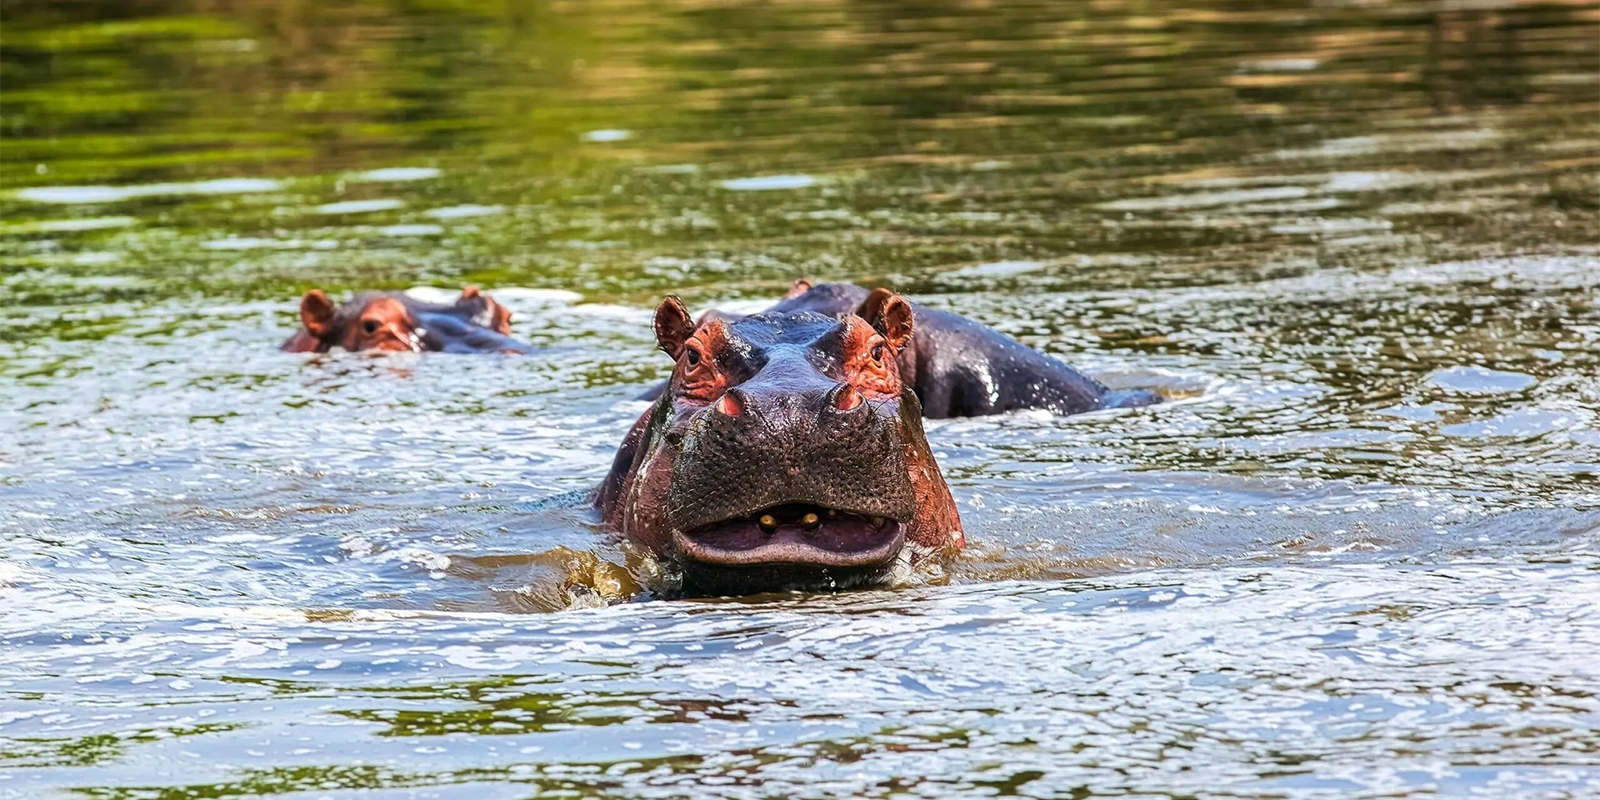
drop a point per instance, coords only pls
(396, 322)
(959, 367)
(785, 452)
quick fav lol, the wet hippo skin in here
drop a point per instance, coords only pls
(784, 453)
(959, 367)
(396, 322)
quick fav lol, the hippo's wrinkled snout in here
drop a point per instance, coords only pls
(796, 472)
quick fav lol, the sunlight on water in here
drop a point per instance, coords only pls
(769, 182)
(1356, 554)
(113, 194)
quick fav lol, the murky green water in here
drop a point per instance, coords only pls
(1360, 242)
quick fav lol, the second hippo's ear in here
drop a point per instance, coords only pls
(673, 326)
(499, 315)
(891, 315)
(317, 313)
(800, 287)
(501, 320)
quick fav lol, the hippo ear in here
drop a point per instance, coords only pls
(317, 313)
(499, 315)
(501, 322)
(800, 287)
(673, 325)
(891, 315)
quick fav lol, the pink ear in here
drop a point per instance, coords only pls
(502, 318)
(891, 315)
(499, 315)
(800, 287)
(317, 313)
(673, 326)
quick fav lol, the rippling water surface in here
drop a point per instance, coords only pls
(1357, 243)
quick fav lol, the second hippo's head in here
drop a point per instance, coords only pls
(397, 322)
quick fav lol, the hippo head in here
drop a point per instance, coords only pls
(785, 453)
(396, 322)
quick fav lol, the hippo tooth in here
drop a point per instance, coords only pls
(877, 522)
(810, 520)
(767, 522)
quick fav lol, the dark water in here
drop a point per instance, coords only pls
(1357, 243)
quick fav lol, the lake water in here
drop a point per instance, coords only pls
(1358, 245)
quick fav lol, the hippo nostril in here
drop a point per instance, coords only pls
(845, 397)
(730, 404)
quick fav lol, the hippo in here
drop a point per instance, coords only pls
(959, 367)
(786, 452)
(396, 322)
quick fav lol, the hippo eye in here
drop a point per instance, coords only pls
(877, 352)
(691, 357)
(370, 326)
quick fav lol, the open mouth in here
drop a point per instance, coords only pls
(794, 534)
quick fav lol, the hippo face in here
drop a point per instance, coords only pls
(785, 453)
(394, 322)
